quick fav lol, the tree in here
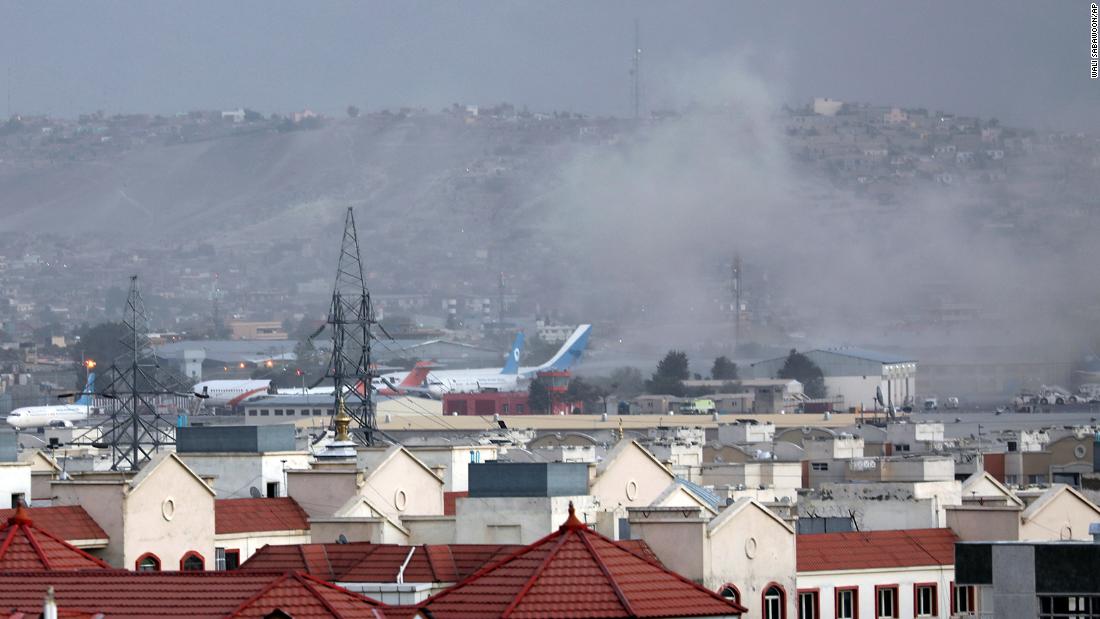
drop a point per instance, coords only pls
(723, 369)
(588, 394)
(626, 382)
(799, 367)
(353, 112)
(671, 373)
(538, 396)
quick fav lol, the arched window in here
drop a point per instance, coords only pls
(730, 592)
(775, 602)
(147, 562)
(192, 562)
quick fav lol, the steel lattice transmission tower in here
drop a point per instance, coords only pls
(136, 426)
(350, 318)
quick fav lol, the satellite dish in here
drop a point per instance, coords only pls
(255, 492)
(342, 539)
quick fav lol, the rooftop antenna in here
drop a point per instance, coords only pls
(635, 72)
(350, 317)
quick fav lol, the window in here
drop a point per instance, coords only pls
(252, 412)
(263, 412)
(192, 562)
(819, 466)
(147, 562)
(775, 604)
(962, 599)
(278, 412)
(18, 498)
(504, 408)
(924, 599)
(227, 559)
(1069, 607)
(1012, 446)
(730, 592)
(847, 603)
(272, 489)
(809, 606)
(901, 447)
(886, 602)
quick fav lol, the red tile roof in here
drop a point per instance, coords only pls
(69, 522)
(869, 550)
(367, 562)
(577, 573)
(253, 515)
(24, 546)
(168, 595)
(449, 500)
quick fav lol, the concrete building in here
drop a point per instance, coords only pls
(1018, 580)
(242, 461)
(745, 552)
(904, 574)
(159, 519)
(857, 375)
(452, 462)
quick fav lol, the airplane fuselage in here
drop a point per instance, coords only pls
(41, 416)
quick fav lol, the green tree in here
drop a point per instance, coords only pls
(588, 394)
(723, 369)
(671, 373)
(799, 367)
(538, 396)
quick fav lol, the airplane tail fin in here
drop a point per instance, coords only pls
(511, 366)
(85, 398)
(416, 376)
(571, 351)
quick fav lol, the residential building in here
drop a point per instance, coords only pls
(903, 574)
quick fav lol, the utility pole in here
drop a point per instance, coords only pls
(635, 72)
(351, 317)
(500, 300)
(735, 285)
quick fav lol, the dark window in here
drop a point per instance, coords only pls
(263, 412)
(730, 592)
(924, 600)
(192, 562)
(1069, 607)
(232, 559)
(775, 606)
(18, 498)
(808, 605)
(272, 489)
(886, 602)
(847, 603)
(147, 563)
(962, 599)
(316, 412)
(1011, 446)
(252, 413)
(819, 466)
(278, 412)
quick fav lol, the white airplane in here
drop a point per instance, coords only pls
(55, 414)
(508, 378)
(229, 393)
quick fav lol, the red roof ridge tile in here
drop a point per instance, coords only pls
(21, 521)
(607, 573)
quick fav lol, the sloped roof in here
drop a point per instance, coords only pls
(1048, 498)
(68, 522)
(576, 572)
(262, 514)
(24, 546)
(368, 562)
(705, 494)
(867, 355)
(978, 479)
(871, 550)
(120, 594)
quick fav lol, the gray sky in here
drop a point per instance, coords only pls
(1025, 63)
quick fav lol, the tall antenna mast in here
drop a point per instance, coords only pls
(500, 300)
(735, 283)
(350, 318)
(635, 72)
(136, 427)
